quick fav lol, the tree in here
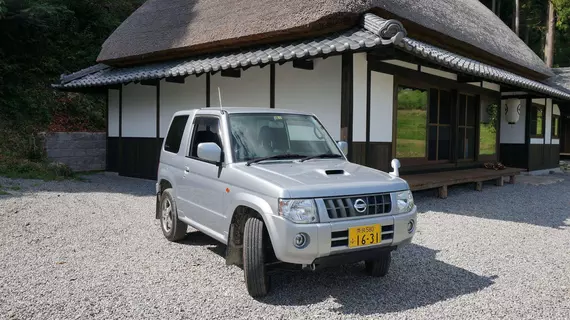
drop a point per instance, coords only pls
(550, 25)
(517, 17)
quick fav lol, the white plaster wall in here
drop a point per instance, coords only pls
(139, 111)
(316, 91)
(399, 63)
(439, 73)
(180, 96)
(381, 107)
(513, 133)
(548, 124)
(491, 86)
(114, 96)
(360, 69)
(542, 102)
(249, 90)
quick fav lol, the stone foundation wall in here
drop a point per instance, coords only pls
(81, 151)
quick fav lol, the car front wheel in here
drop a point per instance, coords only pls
(379, 267)
(254, 243)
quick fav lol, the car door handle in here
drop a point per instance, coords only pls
(186, 170)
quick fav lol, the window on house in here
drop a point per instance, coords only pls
(555, 126)
(175, 132)
(537, 121)
(411, 123)
(488, 129)
(439, 125)
(466, 127)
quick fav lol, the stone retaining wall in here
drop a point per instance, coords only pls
(81, 151)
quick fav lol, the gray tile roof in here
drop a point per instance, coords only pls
(376, 32)
(475, 68)
(352, 40)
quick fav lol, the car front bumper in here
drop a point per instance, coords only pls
(330, 239)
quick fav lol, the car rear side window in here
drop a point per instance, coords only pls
(175, 133)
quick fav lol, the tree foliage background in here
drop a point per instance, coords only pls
(533, 25)
(40, 40)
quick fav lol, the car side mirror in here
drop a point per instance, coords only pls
(210, 152)
(396, 166)
(343, 146)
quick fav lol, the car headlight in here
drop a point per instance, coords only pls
(405, 201)
(298, 211)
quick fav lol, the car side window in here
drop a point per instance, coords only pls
(174, 136)
(206, 129)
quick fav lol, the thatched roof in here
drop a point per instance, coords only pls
(167, 29)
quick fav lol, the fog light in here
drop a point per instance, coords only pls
(301, 240)
(411, 226)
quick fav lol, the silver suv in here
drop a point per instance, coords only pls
(278, 191)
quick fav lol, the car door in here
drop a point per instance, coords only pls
(205, 190)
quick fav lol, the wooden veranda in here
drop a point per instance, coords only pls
(441, 180)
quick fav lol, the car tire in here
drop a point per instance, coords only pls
(255, 272)
(172, 228)
(380, 266)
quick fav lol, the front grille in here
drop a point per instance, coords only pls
(356, 206)
(340, 238)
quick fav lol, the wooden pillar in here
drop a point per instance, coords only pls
(272, 86)
(121, 160)
(347, 101)
(442, 192)
(208, 90)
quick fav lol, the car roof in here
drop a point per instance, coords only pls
(241, 110)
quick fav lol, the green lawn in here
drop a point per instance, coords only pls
(488, 140)
(412, 134)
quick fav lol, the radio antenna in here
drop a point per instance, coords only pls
(220, 97)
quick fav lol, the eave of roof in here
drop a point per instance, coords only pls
(375, 32)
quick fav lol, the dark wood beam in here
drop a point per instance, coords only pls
(429, 79)
(179, 79)
(384, 53)
(524, 96)
(304, 64)
(151, 82)
(231, 73)
(467, 78)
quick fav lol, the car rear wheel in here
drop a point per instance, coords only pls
(254, 242)
(380, 266)
(172, 228)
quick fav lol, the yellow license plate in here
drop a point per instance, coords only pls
(364, 236)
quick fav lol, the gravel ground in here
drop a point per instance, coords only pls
(77, 250)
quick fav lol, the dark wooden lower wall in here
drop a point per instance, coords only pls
(514, 155)
(379, 155)
(358, 153)
(543, 156)
(112, 154)
(134, 157)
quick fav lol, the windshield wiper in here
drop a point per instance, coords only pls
(276, 157)
(322, 156)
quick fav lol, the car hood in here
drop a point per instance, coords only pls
(324, 178)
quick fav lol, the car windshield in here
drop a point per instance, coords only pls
(262, 135)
